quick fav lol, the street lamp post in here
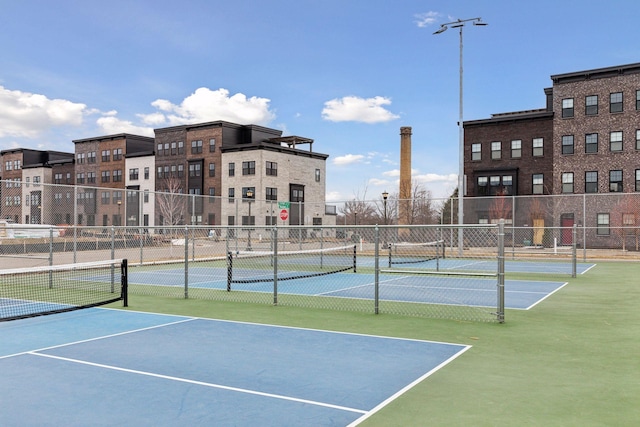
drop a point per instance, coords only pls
(385, 195)
(249, 197)
(460, 23)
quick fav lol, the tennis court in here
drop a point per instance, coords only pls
(479, 264)
(412, 288)
(113, 367)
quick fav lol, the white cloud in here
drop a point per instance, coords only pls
(426, 19)
(348, 159)
(27, 115)
(334, 196)
(206, 105)
(112, 125)
(355, 109)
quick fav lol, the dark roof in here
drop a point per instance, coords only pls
(597, 73)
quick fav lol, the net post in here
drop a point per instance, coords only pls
(186, 262)
(500, 311)
(229, 269)
(376, 280)
(354, 258)
(389, 246)
(124, 281)
(574, 252)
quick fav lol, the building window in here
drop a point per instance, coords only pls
(249, 168)
(637, 179)
(180, 147)
(134, 174)
(637, 99)
(180, 171)
(106, 155)
(494, 185)
(271, 193)
(174, 148)
(591, 105)
(117, 175)
(117, 154)
(567, 108)
(212, 145)
(80, 158)
(212, 169)
(602, 224)
(79, 178)
(212, 194)
(615, 141)
(159, 176)
(57, 179)
(232, 169)
(91, 177)
(507, 185)
(232, 195)
(146, 173)
(591, 182)
(317, 175)
(194, 170)
(146, 196)
(482, 186)
(567, 144)
(567, 182)
(476, 151)
(538, 183)
(496, 150)
(591, 143)
(196, 147)
(106, 176)
(538, 147)
(615, 181)
(615, 102)
(272, 169)
(516, 149)
(105, 197)
(91, 157)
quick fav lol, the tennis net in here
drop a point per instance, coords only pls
(267, 266)
(28, 292)
(412, 253)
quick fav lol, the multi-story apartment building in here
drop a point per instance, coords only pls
(588, 142)
(25, 198)
(210, 173)
(140, 182)
(100, 168)
(238, 166)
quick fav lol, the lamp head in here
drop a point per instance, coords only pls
(385, 195)
(441, 30)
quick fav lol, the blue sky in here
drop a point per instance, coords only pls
(345, 73)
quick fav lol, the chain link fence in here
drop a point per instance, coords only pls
(379, 269)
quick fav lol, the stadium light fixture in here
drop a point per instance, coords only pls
(460, 23)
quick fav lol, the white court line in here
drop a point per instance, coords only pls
(201, 383)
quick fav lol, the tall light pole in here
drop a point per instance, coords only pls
(249, 197)
(460, 23)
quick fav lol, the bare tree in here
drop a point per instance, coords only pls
(171, 202)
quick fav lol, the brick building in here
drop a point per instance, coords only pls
(585, 142)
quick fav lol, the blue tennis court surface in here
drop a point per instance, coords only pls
(112, 367)
(428, 289)
(476, 264)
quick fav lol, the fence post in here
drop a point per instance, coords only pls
(186, 262)
(500, 312)
(574, 253)
(275, 265)
(51, 246)
(376, 281)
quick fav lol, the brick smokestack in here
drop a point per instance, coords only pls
(405, 176)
